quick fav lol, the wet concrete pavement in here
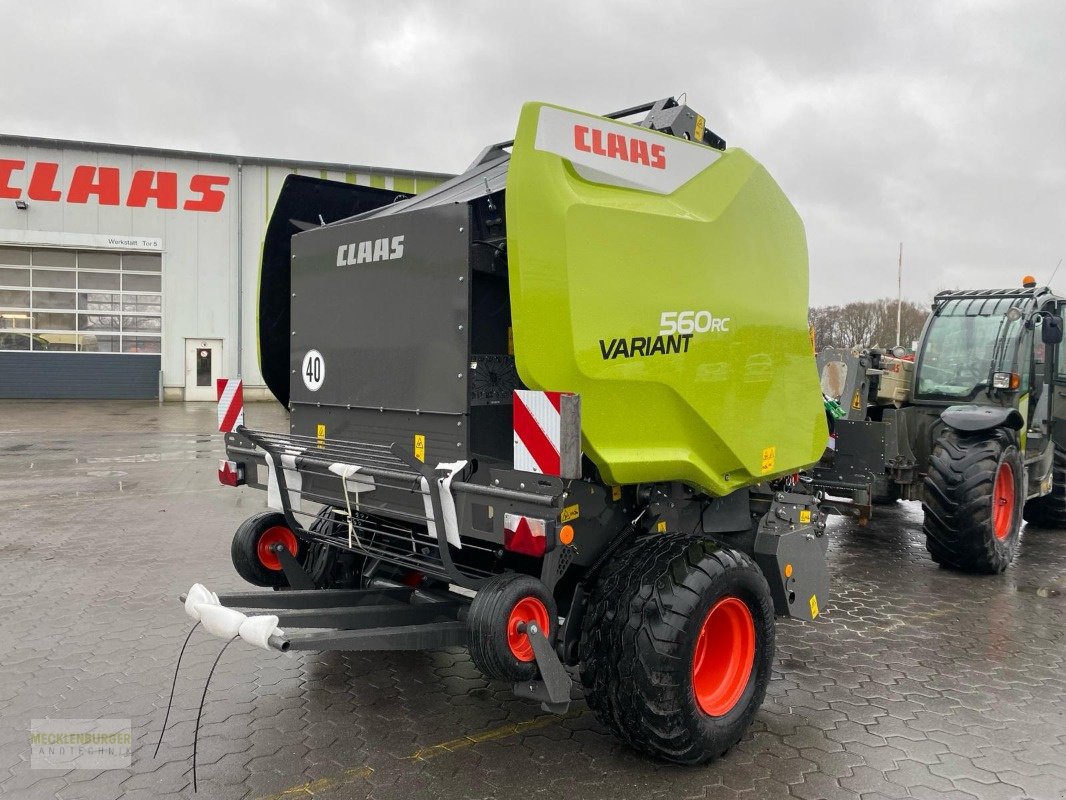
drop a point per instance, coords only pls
(916, 682)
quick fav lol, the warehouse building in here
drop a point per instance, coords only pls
(131, 272)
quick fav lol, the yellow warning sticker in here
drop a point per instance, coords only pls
(320, 434)
(814, 606)
(769, 458)
(805, 516)
(856, 401)
(660, 526)
(570, 513)
(420, 447)
(616, 493)
(701, 123)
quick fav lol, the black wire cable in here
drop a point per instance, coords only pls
(173, 683)
(196, 730)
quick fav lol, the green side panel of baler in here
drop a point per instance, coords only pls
(594, 264)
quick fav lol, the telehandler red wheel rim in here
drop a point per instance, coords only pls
(528, 609)
(272, 536)
(1003, 501)
(724, 656)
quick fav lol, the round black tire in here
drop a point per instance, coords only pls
(331, 567)
(493, 609)
(244, 550)
(1049, 511)
(967, 525)
(641, 636)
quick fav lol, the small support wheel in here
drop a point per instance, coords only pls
(252, 550)
(497, 618)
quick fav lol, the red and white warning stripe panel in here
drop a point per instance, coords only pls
(547, 432)
(230, 404)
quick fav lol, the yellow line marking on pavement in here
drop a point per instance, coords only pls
(493, 734)
(319, 787)
(921, 616)
(322, 785)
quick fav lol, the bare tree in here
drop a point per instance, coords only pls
(870, 323)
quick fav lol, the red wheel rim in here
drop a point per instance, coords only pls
(724, 656)
(272, 536)
(1003, 501)
(528, 609)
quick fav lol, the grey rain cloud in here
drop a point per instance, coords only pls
(938, 124)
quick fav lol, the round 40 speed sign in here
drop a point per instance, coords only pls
(313, 370)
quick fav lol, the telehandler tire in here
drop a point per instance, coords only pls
(1049, 511)
(497, 647)
(677, 646)
(972, 498)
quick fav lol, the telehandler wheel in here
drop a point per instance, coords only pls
(496, 646)
(677, 646)
(972, 498)
(251, 551)
(1050, 510)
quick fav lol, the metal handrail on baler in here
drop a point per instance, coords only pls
(381, 462)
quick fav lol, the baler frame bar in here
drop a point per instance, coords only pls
(374, 619)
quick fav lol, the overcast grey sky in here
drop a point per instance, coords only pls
(941, 124)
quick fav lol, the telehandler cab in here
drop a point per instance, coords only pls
(539, 412)
(973, 425)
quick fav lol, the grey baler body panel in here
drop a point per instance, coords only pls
(392, 335)
(391, 332)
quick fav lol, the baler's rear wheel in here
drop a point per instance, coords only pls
(256, 561)
(251, 550)
(972, 498)
(1050, 510)
(498, 645)
(677, 646)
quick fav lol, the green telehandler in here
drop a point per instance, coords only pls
(973, 424)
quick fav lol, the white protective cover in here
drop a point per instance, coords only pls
(225, 623)
(293, 480)
(196, 596)
(447, 501)
(258, 629)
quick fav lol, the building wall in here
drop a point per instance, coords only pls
(199, 247)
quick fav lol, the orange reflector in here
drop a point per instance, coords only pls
(1015, 380)
(788, 570)
(566, 534)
